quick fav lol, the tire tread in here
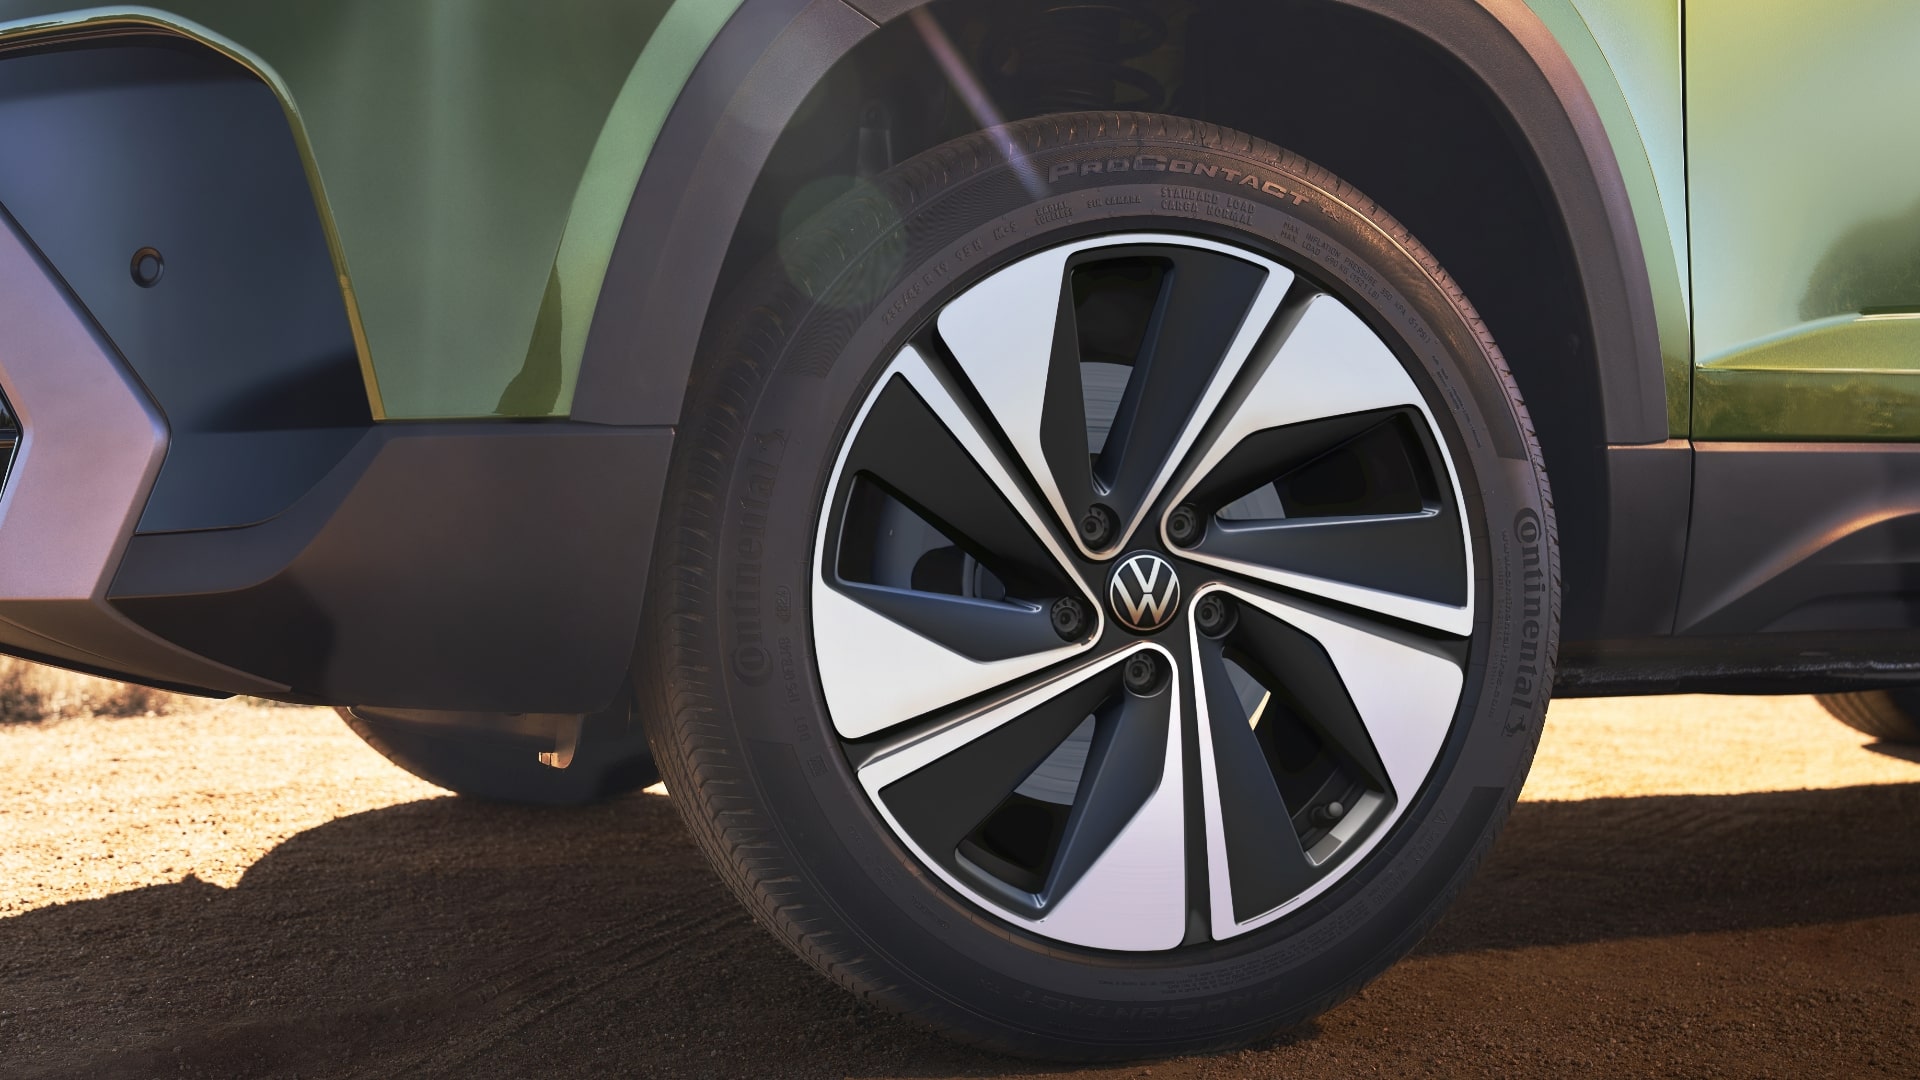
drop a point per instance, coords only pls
(1892, 715)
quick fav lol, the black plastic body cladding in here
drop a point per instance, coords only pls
(146, 143)
(494, 567)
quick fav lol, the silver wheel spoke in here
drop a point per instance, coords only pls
(1331, 366)
(1014, 337)
(1403, 693)
(878, 669)
(1109, 884)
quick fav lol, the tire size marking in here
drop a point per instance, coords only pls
(1197, 202)
(789, 675)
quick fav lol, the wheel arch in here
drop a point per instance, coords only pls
(1514, 183)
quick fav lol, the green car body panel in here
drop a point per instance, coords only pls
(474, 160)
(1628, 55)
(1805, 201)
(473, 164)
(1786, 284)
(474, 197)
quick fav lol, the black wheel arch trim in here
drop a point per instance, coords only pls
(744, 91)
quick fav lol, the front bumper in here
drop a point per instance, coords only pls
(493, 566)
(90, 445)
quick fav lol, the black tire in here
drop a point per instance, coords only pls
(611, 758)
(1890, 715)
(732, 692)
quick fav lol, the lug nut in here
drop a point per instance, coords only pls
(1328, 815)
(1069, 618)
(1185, 525)
(1097, 526)
(1214, 615)
(1145, 674)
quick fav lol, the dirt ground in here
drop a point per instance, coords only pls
(1692, 886)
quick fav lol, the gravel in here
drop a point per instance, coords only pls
(1691, 886)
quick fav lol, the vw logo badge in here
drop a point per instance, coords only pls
(1144, 592)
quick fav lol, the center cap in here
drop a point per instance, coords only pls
(1144, 592)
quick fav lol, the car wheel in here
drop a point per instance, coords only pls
(1892, 715)
(543, 760)
(1107, 591)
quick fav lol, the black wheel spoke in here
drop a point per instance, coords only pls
(941, 804)
(940, 581)
(1052, 800)
(906, 454)
(1284, 659)
(1124, 764)
(1318, 726)
(1359, 499)
(1322, 474)
(1096, 362)
(1198, 300)
(1265, 862)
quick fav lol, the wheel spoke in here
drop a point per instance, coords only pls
(1331, 416)
(1252, 846)
(899, 637)
(1106, 883)
(1343, 717)
(1125, 767)
(979, 629)
(1043, 351)
(1402, 689)
(913, 454)
(1384, 559)
(1360, 499)
(977, 764)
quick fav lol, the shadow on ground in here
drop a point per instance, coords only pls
(1896, 750)
(451, 938)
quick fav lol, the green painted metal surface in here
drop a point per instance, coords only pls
(1804, 144)
(476, 157)
(1849, 377)
(1627, 52)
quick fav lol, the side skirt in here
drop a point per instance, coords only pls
(1802, 575)
(1761, 664)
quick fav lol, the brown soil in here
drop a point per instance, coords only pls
(1694, 886)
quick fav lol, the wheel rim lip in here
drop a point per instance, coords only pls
(1187, 470)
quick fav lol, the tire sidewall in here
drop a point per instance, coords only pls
(772, 462)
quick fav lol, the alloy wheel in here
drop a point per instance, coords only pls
(1142, 592)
